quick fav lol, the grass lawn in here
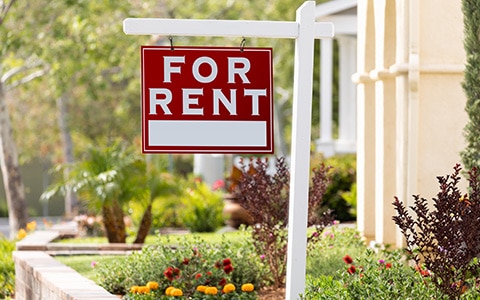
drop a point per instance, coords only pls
(234, 236)
(84, 264)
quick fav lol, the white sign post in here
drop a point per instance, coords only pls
(304, 30)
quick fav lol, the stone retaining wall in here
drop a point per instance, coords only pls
(38, 276)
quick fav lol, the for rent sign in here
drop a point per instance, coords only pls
(207, 100)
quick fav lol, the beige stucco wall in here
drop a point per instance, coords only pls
(416, 68)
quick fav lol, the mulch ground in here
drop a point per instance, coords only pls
(271, 294)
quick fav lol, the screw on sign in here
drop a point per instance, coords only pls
(207, 100)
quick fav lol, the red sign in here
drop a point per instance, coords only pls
(207, 100)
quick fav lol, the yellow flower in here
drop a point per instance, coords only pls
(169, 290)
(134, 289)
(152, 285)
(248, 287)
(21, 234)
(211, 290)
(201, 288)
(143, 290)
(228, 288)
(31, 226)
(177, 292)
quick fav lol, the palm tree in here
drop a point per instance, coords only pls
(106, 178)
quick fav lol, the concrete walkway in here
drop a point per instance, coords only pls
(43, 223)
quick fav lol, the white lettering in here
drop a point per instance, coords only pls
(242, 71)
(255, 94)
(162, 102)
(196, 66)
(187, 102)
(231, 105)
(168, 68)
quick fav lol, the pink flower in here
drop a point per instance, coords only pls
(218, 185)
(93, 264)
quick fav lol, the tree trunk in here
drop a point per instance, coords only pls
(113, 221)
(145, 225)
(71, 203)
(12, 180)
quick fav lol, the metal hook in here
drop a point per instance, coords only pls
(170, 38)
(242, 44)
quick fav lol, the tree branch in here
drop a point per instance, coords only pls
(30, 77)
(4, 7)
(29, 64)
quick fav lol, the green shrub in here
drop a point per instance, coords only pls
(341, 192)
(202, 209)
(325, 256)
(374, 276)
(7, 267)
(188, 258)
(166, 205)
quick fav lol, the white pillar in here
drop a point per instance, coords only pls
(210, 167)
(325, 142)
(366, 120)
(346, 142)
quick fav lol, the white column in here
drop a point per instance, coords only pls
(346, 142)
(325, 142)
(210, 167)
(366, 120)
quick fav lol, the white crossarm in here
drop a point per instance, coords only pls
(221, 28)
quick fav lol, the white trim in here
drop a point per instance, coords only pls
(333, 7)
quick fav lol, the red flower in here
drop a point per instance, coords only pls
(186, 261)
(423, 272)
(176, 271)
(222, 282)
(209, 273)
(347, 259)
(168, 273)
(228, 269)
(388, 266)
(198, 275)
(227, 262)
(351, 270)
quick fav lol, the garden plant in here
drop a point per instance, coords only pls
(189, 267)
(446, 240)
(265, 197)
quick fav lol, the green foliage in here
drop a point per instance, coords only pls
(107, 177)
(202, 208)
(383, 275)
(324, 256)
(3, 208)
(165, 189)
(7, 267)
(341, 196)
(189, 264)
(471, 84)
